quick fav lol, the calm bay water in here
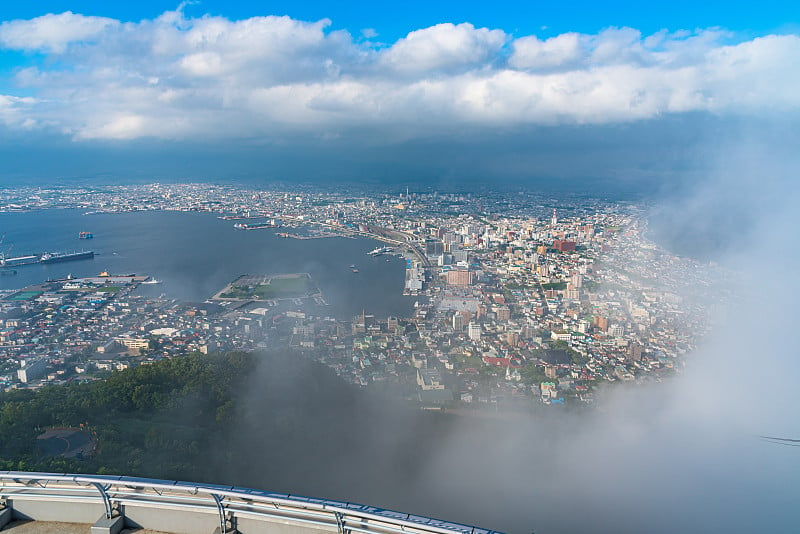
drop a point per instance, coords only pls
(196, 254)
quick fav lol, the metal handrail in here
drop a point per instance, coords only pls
(228, 502)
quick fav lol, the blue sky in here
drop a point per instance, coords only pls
(394, 19)
(503, 80)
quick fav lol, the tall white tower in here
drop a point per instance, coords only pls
(474, 331)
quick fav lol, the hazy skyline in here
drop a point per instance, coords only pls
(239, 92)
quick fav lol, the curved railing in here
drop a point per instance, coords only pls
(230, 506)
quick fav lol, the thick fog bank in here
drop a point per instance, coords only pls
(680, 456)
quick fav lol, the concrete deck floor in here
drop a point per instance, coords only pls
(47, 527)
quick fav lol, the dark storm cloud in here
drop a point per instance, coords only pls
(641, 157)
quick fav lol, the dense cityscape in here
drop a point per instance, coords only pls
(399, 268)
(521, 299)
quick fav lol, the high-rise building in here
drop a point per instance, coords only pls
(635, 352)
(503, 313)
(474, 331)
(461, 256)
(433, 247)
(512, 338)
(573, 292)
(458, 322)
(360, 324)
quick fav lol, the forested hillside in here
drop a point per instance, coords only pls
(270, 420)
(154, 419)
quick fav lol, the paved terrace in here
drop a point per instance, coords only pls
(52, 527)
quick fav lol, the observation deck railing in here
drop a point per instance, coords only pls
(189, 508)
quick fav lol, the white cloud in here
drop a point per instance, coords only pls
(563, 51)
(52, 33)
(125, 126)
(211, 77)
(14, 111)
(618, 45)
(202, 64)
(755, 76)
(444, 47)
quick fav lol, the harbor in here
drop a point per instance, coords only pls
(193, 255)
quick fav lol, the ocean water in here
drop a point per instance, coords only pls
(196, 254)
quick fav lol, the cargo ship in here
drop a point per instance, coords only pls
(256, 226)
(58, 257)
(20, 260)
(380, 250)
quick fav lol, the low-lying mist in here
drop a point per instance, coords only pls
(684, 455)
